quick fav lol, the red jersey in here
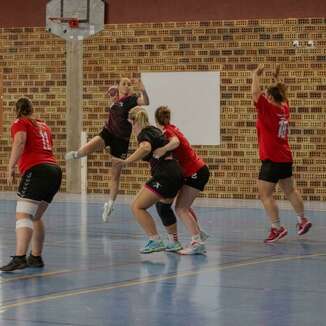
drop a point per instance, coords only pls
(189, 160)
(272, 129)
(38, 147)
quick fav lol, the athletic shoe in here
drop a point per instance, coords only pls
(153, 246)
(107, 210)
(71, 156)
(304, 226)
(17, 262)
(195, 248)
(203, 235)
(276, 234)
(173, 246)
(35, 261)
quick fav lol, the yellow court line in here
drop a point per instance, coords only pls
(148, 280)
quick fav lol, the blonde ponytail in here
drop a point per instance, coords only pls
(139, 115)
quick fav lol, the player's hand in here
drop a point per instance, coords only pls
(260, 69)
(159, 152)
(119, 162)
(11, 176)
(276, 72)
(139, 84)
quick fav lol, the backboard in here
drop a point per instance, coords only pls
(75, 19)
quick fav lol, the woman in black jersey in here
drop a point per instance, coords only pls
(115, 134)
(166, 176)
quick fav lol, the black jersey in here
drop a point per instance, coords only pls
(157, 139)
(117, 123)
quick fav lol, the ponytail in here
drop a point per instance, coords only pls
(139, 115)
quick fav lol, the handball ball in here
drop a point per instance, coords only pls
(113, 91)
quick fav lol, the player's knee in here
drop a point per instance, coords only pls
(166, 213)
(24, 223)
(27, 207)
(136, 206)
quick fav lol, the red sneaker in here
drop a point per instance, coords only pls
(304, 226)
(276, 234)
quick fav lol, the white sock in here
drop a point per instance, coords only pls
(300, 217)
(155, 237)
(276, 225)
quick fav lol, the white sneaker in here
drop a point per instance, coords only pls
(195, 248)
(107, 210)
(203, 235)
(73, 155)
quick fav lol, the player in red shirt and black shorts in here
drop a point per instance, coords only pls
(115, 135)
(166, 176)
(196, 176)
(275, 154)
(41, 180)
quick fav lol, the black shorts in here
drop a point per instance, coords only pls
(167, 179)
(40, 183)
(199, 179)
(118, 146)
(273, 172)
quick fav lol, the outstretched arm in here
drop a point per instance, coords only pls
(143, 99)
(255, 85)
(173, 143)
(143, 150)
(276, 73)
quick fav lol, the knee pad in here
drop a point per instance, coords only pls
(26, 207)
(24, 223)
(166, 213)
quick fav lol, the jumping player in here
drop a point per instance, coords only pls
(275, 154)
(41, 179)
(196, 175)
(166, 176)
(115, 134)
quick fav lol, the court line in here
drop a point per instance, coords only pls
(148, 280)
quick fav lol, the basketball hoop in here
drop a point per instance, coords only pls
(72, 22)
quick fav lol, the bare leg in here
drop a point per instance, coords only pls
(145, 199)
(39, 232)
(172, 229)
(291, 193)
(95, 144)
(266, 190)
(194, 215)
(184, 201)
(115, 179)
(23, 235)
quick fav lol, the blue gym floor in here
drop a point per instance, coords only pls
(94, 274)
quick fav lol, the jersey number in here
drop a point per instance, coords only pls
(45, 140)
(283, 128)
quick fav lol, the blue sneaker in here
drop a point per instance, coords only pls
(153, 246)
(203, 235)
(195, 248)
(173, 246)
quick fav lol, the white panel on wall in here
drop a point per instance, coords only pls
(194, 100)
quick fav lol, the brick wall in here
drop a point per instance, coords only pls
(33, 65)
(232, 47)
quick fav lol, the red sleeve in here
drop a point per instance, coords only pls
(261, 103)
(18, 125)
(168, 133)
